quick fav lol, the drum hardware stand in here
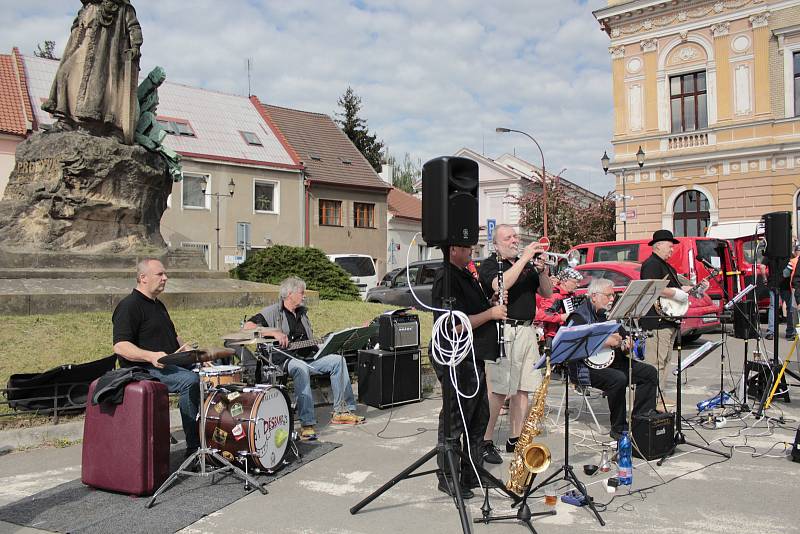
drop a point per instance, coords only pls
(680, 438)
(201, 456)
(448, 449)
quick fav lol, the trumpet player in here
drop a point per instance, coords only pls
(524, 275)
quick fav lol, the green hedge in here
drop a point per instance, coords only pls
(274, 264)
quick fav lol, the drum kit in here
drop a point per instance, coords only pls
(245, 427)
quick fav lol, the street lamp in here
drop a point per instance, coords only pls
(544, 174)
(231, 188)
(605, 160)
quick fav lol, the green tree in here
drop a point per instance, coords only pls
(356, 128)
(46, 50)
(568, 221)
(404, 174)
(271, 265)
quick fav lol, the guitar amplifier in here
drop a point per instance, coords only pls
(398, 331)
(388, 378)
(653, 434)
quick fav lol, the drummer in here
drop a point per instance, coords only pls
(290, 317)
(144, 332)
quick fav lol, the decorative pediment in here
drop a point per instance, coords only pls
(687, 53)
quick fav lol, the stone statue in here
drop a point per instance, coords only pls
(95, 85)
(149, 133)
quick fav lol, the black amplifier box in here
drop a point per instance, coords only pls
(653, 434)
(398, 331)
(387, 378)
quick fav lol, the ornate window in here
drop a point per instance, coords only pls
(796, 60)
(691, 214)
(688, 107)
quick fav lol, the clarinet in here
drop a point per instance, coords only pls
(501, 338)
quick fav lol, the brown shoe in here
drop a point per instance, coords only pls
(346, 418)
(307, 433)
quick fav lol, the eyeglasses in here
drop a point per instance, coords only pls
(607, 295)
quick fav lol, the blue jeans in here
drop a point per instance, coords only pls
(784, 295)
(333, 364)
(187, 384)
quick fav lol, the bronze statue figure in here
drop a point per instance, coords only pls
(95, 85)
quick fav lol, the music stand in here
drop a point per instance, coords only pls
(694, 358)
(571, 344)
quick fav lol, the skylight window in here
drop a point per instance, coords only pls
(176, 127)
(315, 156)
(251, 138)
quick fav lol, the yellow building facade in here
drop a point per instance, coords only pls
(711, 92)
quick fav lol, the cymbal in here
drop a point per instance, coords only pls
(251, 341)
(190, 357)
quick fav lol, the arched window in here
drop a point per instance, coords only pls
(691, 214)
(797, 213)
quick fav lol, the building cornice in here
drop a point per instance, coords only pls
(240, 162)
(677, 21)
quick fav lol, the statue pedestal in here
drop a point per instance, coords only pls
(72, 191)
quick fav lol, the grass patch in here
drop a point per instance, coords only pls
(37, 343)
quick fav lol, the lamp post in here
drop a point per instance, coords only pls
(231, 187)
(544, 174)
(605, 160)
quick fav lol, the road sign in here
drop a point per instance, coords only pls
(627, 215)
(490, 224)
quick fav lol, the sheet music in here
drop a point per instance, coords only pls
(707, 348)
(637, 299)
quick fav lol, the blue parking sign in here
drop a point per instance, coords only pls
(490, 224)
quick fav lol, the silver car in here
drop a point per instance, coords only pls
(395, 288)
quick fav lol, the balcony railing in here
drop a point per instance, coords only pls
(689, 140)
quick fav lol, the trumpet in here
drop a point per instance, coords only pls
(553, 258)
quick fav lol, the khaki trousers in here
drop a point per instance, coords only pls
(659, 353)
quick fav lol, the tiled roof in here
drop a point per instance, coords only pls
(216, 119)
(402, 204)
(12, 111)
(324, 150)
(23, 84)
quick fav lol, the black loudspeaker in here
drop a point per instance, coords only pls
(761, 375)
(450, 201)
(778, 233)
(653, 434)
(745, 319)
(388, 378)
(796, 448)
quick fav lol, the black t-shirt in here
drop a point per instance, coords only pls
(654, 268)
(145, 323)
(521, 296)
(469, 298)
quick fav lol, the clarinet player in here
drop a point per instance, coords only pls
(514, 376)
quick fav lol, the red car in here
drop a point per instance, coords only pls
(702, 310)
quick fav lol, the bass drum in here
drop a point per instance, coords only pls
(254, 425)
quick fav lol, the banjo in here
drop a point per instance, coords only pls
(605, 357)
(669, 307)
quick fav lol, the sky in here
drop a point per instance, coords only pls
(434, 76)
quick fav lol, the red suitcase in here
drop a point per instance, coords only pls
(126, 446)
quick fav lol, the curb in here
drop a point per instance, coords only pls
(38, 436)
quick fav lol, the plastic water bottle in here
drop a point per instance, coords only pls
(624, 460)
(713, 402)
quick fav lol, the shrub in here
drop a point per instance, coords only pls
(274, 264)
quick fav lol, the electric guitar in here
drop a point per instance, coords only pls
(671, 308)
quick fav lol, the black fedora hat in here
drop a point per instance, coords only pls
(662, 235)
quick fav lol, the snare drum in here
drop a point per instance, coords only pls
(221, 374)
(254, 424)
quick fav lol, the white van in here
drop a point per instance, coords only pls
(361, 268)
(735, 229)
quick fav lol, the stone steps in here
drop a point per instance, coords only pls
(33, 296)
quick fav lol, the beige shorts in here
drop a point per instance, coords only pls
(515, 372)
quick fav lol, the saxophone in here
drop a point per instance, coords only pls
(530, 458)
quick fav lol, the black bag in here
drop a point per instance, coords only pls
(65, 387)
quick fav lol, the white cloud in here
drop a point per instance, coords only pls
(433, 76)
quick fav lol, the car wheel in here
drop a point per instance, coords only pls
(689, 338)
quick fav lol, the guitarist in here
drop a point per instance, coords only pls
(664, 329)
(289, 316)
(613, 380)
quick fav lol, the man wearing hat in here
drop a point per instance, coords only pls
(659, 349)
